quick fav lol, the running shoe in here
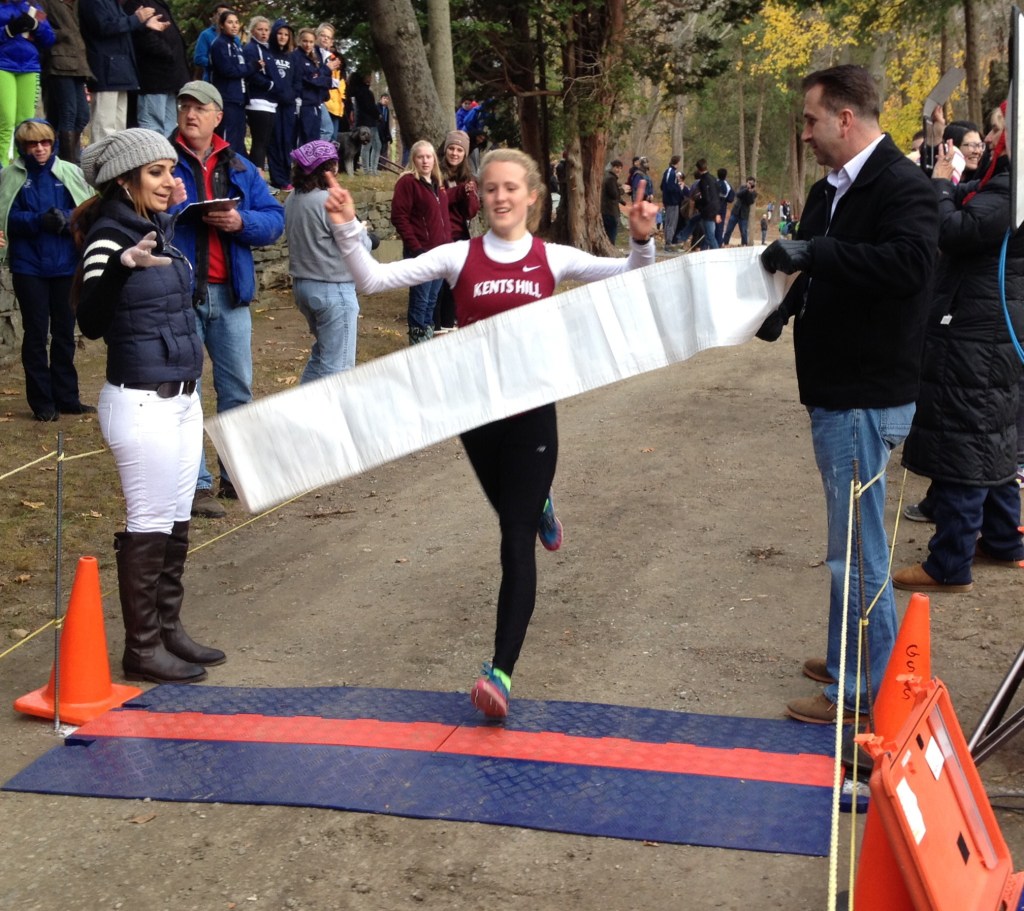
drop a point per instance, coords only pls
(550, 529)
(490, 692)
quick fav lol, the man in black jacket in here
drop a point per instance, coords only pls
(865, 250)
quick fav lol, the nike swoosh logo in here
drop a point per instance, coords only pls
(530, 268)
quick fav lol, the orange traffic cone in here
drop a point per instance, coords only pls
(880, 885)
(912, 654)
(85, 687)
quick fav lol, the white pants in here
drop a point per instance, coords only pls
(109, 114)
(156, 444)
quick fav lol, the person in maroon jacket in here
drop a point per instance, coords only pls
(463, 205)
(419, 212)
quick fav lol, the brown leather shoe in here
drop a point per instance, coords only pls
(816, 710)
(204, 506)
(915, 579)
(817, 670)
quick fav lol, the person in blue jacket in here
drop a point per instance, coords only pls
(313, 80)
(37, 195)
(282, 140)
(22, 35)
(201, 52)
(219, 245)
(229, 70)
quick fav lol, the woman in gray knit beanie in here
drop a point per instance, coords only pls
(135, 290)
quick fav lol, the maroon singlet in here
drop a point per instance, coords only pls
(486, 288)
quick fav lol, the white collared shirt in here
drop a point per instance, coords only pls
(843, 179)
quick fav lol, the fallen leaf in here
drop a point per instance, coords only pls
(287, 380)
(24, 577)
(647, 449)
(91, 514)
(142, 820)
(32, 505)
(402, 560)
(6, 420)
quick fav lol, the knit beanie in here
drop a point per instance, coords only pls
(456, 138)
(122, 152)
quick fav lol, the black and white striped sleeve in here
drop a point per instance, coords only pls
(103, 277)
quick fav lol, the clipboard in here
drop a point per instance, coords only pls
(194, 211)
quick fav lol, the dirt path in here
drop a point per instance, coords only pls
(691, 580)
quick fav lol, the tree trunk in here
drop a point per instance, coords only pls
(974, 111)
(742, 119)
(439, 30)
(397, 40)
(755, 145)
(592, 49)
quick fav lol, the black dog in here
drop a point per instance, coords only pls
(350, 145)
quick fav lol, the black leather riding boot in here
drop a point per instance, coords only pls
(170, 594)
(140, 561)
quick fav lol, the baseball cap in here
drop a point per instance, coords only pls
(202, 91)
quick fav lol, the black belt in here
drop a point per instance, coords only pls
(166, 390)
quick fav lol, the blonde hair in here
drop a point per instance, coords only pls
(534, 181)
(33, 129)
(435, 174)
(254, 21)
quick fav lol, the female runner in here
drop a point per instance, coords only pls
(514, 458)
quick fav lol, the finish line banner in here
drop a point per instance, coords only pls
(320, 433)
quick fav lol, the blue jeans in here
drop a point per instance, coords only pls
(226, 331)
(332, 311)
(867, 435)
(960, 513)
(66, 104)
(422, 303)
(157, 112)
(734, 220)
(710, 240)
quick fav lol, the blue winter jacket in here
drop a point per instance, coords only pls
(260, 85)
(107, 30)
(284, 92)
(312, 79)
(34, 251)
(20, 54)
(262, 215)
(229, 69)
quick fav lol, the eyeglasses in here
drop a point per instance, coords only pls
(185, 107)
(973, 146)
(38, 142)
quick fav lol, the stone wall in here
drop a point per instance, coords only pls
(374, 207)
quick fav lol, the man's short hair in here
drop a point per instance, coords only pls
(702, 164)
(846, 86)
(616, 163)
(674, 160)
(723, 173)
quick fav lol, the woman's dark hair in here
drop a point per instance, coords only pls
(957, 129)
(222, 18)
(459, 174)
(306, 183)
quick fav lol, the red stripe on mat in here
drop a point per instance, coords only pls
(497, 742)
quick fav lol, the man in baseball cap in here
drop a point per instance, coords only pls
(219, 246)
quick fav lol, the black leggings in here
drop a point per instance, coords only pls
(514, 460)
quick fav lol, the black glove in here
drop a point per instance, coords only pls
(771, 328)
(22, 23)
(788, 256)
(53, 221)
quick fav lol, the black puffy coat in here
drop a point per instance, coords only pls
(965, 431)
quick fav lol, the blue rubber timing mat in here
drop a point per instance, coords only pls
(616, 771)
